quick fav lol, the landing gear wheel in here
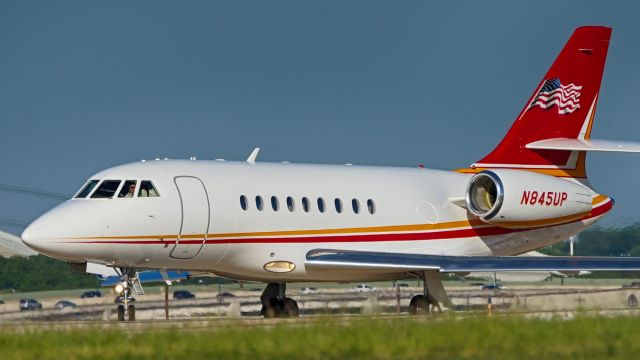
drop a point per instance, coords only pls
(120, 312)
(419, 305)
(269, 312)
(281, 309)
(275, 303)
(132, 312)
(291, 308)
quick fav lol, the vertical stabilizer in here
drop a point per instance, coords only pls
(562, 105)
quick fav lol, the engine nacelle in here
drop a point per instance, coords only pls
(524, 199)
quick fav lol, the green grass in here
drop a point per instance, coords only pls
(445, 337)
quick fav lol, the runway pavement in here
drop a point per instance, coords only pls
(245, 305)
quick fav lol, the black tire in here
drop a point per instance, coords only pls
(132, 313)
(120, 312)
(278, 306)
(419, 305)
(269, 312)
(291, 308)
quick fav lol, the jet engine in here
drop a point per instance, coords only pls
(524, 199)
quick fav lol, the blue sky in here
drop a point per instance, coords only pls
(86, 85)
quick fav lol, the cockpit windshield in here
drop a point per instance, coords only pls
(147, 189)
(106, 190)
(86, 190)
(128, 189)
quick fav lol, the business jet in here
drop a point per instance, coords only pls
(280, 223)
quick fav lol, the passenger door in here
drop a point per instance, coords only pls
(195, 209)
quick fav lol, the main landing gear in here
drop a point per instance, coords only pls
(276, 304)
(424, 304)
(126, 311)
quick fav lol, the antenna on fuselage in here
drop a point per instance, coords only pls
(254, 154)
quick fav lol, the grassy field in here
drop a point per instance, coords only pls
(442, 337)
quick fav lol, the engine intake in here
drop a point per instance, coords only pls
(485, 195)
(524, 199)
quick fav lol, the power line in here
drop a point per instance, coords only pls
(13, 223)
(33, 192)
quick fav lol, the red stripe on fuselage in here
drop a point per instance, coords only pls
(415, 236)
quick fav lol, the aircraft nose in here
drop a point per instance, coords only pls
(34, 236)
(50, 233)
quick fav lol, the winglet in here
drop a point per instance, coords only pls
(252, 158)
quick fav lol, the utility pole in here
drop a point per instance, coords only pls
(166, 301)
(397, 296)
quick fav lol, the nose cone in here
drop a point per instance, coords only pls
(35, 237)
(55, 233)
(48, 234)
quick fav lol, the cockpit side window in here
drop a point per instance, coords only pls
(147, 189)
(128, 189)
(106, 190)
(86, 190)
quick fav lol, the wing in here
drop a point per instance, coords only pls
(321, 259)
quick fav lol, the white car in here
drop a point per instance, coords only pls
(309, 290)
(363, 288)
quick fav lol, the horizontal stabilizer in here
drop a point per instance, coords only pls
(585, 145)
(397, 262)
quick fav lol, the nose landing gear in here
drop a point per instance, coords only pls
(126, 311)
(276, 304)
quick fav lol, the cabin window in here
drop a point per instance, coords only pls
(290, 204)
(338, 204)
(147, 189)
(128, 190)
(355, 205)
(259, 202)
(321, 205)
(371, 206)
(86, 190)
(244, 204)
(106, 190)
(305, 204)
(275, 204)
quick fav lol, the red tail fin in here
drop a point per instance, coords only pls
(562, 106)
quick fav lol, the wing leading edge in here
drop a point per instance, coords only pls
(321, 259)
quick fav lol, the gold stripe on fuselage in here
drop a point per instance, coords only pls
(464, 224)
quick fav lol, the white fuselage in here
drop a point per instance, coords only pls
(197, 221)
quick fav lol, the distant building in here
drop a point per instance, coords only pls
(11, 245)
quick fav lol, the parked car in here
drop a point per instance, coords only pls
(309, 290)
(222, 296)
(635, 284)
(363, 288)
(491, 287)
(182, 294)
(65, 304)
(30, 304)
(120, 299)
(91, 294)
(402, 285)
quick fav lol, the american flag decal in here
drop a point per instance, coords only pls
(566, 98)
